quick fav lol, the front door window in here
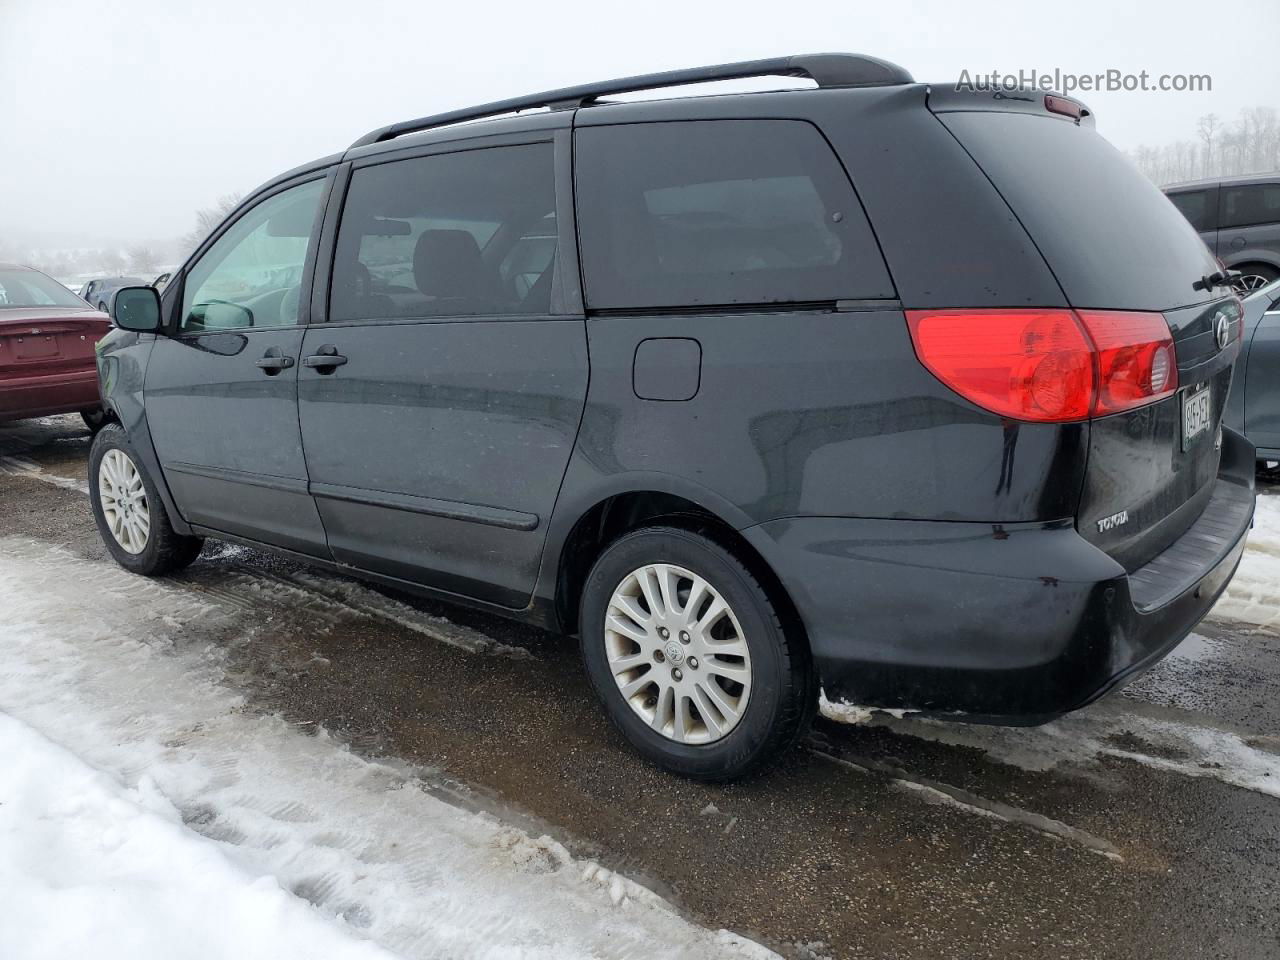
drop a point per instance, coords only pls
(252, 275)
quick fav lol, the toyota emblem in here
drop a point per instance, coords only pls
(1222, 331)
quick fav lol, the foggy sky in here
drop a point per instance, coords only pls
(118, 119)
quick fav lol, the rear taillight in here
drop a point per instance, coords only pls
(1136, 364)
(1048, 365)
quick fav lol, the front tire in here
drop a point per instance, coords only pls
(690, 657)
(130, 515)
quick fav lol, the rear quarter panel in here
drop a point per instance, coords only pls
(813, 413)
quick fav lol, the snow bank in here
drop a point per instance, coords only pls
(87, 865)
(127, 673)
(1254, 593)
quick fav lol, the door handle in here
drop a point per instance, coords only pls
(272, 363)
(325, 360)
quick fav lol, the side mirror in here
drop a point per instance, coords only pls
(136, 308)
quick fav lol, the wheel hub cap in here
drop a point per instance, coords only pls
(661, 621)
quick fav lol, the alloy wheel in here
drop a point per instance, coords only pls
(677, 653)
(124, 501)
(1248, 282)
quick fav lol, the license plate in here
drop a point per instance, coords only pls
(39, 346)
(1196, 414)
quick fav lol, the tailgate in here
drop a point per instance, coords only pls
(1115, 242)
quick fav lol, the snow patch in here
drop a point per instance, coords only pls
(87, 865)
(844, 712)
(19, 466)
(127, 673)
(1110, 729)
(1254, 593)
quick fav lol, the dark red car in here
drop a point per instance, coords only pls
(47, 339)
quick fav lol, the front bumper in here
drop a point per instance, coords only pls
(1003, 623)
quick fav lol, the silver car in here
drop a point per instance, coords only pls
(1239, 219)
(1253, 406)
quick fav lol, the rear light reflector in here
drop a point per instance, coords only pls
(1049, 365)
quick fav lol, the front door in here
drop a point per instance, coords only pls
(440, 400)
(222, 389)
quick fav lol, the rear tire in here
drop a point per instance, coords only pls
(725, 731)
(130, 515)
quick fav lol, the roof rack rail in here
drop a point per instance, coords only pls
(825, 69)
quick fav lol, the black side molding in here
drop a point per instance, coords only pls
(284, 484)
(450, 509)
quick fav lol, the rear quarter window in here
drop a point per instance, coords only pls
(720, 212)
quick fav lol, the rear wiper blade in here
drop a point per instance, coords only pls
(1220, 279)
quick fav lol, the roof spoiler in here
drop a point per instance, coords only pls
(825, 69)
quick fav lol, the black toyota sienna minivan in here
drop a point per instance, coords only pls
(902, 394)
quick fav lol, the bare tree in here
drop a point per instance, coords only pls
(1207, 127)
(143, 260)
(1250, 144)
(111, 261)
(209, 218)
(55, 263)
(1263, 129)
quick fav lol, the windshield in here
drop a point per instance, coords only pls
(27, 288)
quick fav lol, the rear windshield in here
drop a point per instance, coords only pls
(27, 288)
(1110, 236)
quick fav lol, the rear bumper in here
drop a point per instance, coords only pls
(1013, 623)
(65, 391)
